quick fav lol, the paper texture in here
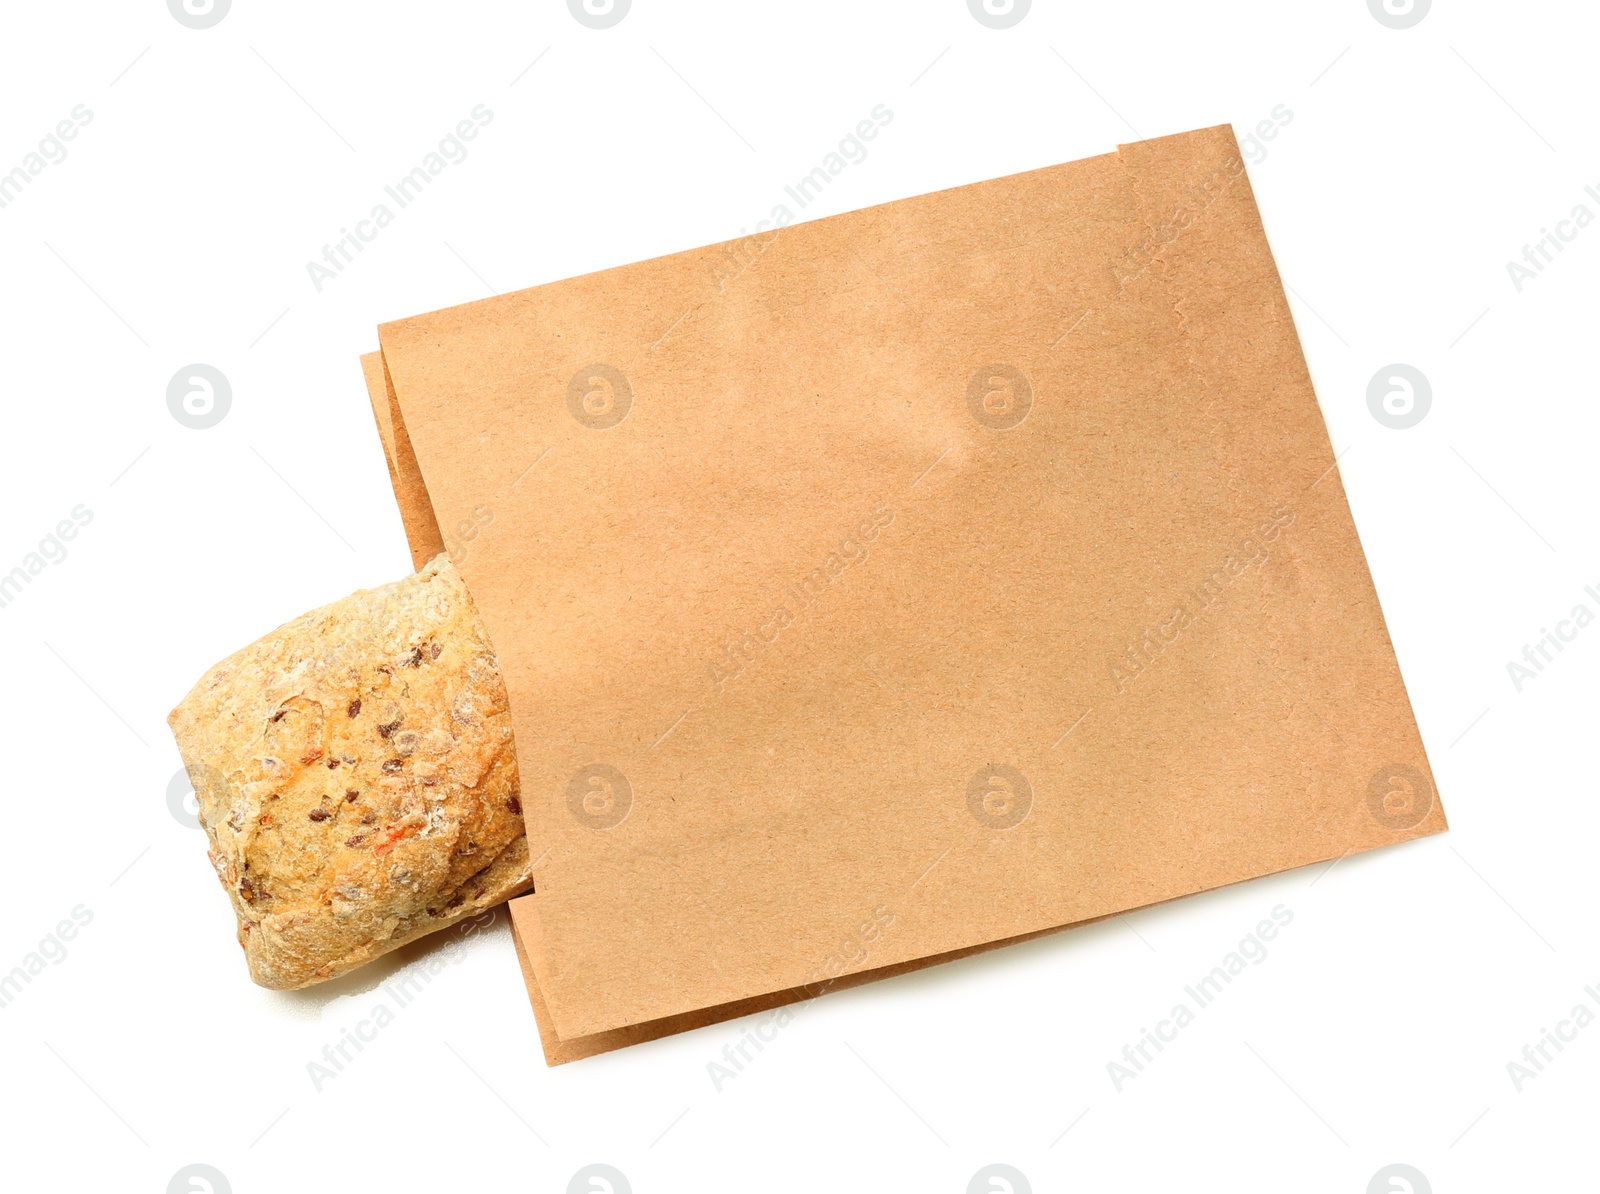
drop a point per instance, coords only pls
(930, 576)
(423, 535)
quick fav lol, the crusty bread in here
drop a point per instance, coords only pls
(357, 778)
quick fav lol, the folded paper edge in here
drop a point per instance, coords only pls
(405, 475)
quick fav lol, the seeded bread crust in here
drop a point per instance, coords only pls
(357, 779)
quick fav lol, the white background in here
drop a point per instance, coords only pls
(218, 162)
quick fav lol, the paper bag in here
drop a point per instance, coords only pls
(887, 587)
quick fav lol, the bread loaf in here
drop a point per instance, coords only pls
(357, 779)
